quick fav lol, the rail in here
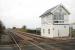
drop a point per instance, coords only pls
(28, 40)
(15, 41)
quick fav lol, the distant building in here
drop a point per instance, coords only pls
(55, 22)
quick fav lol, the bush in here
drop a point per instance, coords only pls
(34, 31)
(73, 33)
(14, 28)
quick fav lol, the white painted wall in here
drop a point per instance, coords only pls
(73, 26)
(46, 34)
(47, 20)
(66, 19)
(62, 29)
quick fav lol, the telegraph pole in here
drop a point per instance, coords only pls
(70, 31)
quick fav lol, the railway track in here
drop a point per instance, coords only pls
(36, 40)
(12, 36)
(45, 43)
(25, 40)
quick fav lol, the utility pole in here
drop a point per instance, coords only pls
(70, 30)
(36, 30)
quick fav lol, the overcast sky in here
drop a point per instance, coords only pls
(26, 12)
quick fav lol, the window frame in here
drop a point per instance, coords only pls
(58, 16)
(48, 31)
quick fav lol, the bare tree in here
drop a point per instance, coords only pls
(24, 27)
(14, 28)
(2, 28)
